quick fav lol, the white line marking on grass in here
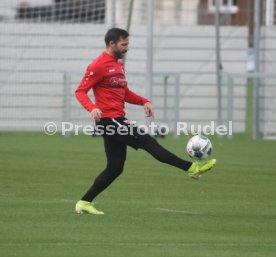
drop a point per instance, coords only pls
(142, 244)
(176, 211)
(67, 200)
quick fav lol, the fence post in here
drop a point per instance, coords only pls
(230, 104)
(256, 80)
(113, 13)
(165, 92)
(176, 105)
(66, 98)
(218, 59)
(149, 50)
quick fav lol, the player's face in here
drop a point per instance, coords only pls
(120, 48)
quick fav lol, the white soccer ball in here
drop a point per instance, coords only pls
(199, 147)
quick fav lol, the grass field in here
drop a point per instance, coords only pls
(152, 210)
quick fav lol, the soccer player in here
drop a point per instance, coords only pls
(106, 77)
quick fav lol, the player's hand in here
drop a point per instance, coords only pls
(148, 109)
(96, 114)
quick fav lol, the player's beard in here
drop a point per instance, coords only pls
(119, 54)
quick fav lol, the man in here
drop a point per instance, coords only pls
(106, 77)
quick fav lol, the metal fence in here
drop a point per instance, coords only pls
(171, 40)
(249, 103)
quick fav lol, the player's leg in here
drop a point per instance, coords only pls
(161, 154)
(116, 155)
(136, 139)
(144, 141)
(133, 137)
(194, 169)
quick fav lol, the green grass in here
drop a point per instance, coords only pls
(151, 210)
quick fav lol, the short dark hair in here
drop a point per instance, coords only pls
(115, 35)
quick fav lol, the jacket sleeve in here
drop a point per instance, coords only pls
(132, 98)
(91, 77)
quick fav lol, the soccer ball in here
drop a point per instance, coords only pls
(199, 147)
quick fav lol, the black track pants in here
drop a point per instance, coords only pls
(118, 134)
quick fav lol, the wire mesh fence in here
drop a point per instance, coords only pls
(166, 12)
(254, 103)
(41, 40)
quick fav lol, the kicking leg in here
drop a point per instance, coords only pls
(163, 155)
(194, 169)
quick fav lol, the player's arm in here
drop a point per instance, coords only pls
(131, 97)
(91, 77)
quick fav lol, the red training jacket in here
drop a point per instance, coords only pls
(106, 77)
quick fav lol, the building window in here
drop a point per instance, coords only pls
(226, 6)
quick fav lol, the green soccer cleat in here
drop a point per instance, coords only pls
(196, 170)
(86, 207)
